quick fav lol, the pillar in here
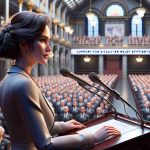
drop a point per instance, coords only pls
(20, 3)
(56, 60)
(101, 64)
(30, 5)
(72, 67)
(124, 66)
(42, 69)
(35, 70)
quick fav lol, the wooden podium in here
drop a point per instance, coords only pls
(137, 139)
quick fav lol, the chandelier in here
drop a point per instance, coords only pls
(87, 59)
(90, 15)
(139, 59)
(141, 10)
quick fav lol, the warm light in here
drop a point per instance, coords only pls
(101, 45)
(87, 59)
(90, 15)
(71, 31)
(67, 28)
(139, 59)
(125, 45)
(141, 10)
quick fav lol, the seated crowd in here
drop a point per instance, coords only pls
(71, 101)
(141, 87)
(4, 136)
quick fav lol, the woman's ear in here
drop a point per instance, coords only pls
(23, 46)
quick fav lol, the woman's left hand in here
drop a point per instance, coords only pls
(73, 124)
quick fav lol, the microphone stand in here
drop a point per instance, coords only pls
(93, 76)
(83, 85)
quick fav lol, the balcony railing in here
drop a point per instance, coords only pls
(111, 42)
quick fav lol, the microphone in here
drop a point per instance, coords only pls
(93, 76)
(67, 73)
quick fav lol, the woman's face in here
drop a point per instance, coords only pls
(41, 47)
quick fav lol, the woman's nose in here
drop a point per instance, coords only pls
(48, 49)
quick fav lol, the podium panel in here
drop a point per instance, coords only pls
(138, 138)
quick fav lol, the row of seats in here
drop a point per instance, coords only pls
(111, 40)
(141, 87)
(135, 40)
(67, 96)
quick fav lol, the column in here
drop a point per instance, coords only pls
(72, 67)
(50, 62)
(56, 22)
(6, 62)
(50, 66)
(54, 8)
(35, 70)
(62, 57)
(124, 66)
(20, 3)
(59, 11)
(42, 69)
(30, 5)
(61, 25)
(101, 64)
(67, 59)
(56, 60)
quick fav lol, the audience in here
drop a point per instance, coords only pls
(141, 89)
(65, 116)
(82, 116)
(4, 143)
(99, 113)
(62, 92)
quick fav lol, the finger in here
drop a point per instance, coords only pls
(78, 123)
(77, 126)
(110, 128)
(110, 132)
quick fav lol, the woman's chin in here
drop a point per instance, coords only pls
(43, 62)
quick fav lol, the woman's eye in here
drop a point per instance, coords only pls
(42, 40)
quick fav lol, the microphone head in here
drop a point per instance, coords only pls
(93, 76)
(65, 72)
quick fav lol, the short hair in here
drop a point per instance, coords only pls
(24, 25)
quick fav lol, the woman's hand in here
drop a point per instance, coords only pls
(73, 124)
(105, 132)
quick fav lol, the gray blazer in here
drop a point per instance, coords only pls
(30, 118)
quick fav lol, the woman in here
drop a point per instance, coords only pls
(29, 116)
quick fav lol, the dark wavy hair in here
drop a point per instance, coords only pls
(24, 25)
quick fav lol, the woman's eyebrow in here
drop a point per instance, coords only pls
(44, 36)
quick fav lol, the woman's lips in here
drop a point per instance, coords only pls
(46, 56)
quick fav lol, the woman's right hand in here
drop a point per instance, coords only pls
(105, 132)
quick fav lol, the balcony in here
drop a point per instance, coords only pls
(126, 42)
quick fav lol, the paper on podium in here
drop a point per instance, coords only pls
(122, 127)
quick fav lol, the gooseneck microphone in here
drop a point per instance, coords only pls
(94, 77)
(67, 73)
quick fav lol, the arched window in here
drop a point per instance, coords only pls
(115, 10)
(136, 27)
(93, 26)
